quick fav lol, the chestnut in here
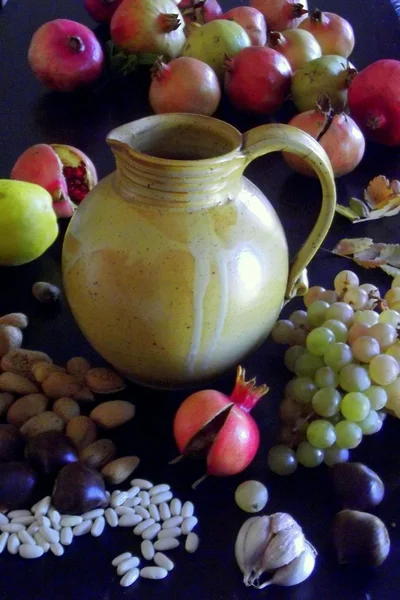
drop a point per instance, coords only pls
(77, 489)
(17, 485)
(11, 443)
(49, 451)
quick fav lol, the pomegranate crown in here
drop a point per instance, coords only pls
(245, 393)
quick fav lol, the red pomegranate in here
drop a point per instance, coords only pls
(102, 10)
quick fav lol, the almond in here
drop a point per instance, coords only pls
(78, 366)
(81, 431)
(41, 370)
(15, 319)
(98, 454)
(84, 395)
(25, 408)
(113, 414)
(119, 470)
(57, 385)
(10, 338)
(20, 361)
(45, 421)
(66, 408)
(6, 399)
(16, 384)
(104, 381)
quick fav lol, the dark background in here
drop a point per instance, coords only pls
(29, 114)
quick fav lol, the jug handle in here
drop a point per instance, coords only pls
(278, 137)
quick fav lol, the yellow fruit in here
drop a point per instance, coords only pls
(28, 223)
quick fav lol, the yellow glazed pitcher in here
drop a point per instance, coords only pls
(176, 266)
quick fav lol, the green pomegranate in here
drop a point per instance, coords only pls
(28, 223)
(214, 41)
(329, 75)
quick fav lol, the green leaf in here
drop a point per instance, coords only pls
(359, 208)
(345, 211)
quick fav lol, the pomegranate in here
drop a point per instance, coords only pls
(219, 427)
(334, 34)
(102, 10)
(257, 80)
(64, 171)
(374, 101)
(184, 85)
(200, 11)
(154, 26)
(339, 136)
(65, 55)
(252, 21)
(298, 46)
(281, 14)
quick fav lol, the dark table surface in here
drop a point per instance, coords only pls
(29, 114)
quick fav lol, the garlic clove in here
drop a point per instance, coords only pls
(297, 571)
(255, 542)
(239, 544)
(284, 547)
(281, 521)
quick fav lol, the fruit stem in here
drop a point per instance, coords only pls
(228, 64)
(176, 460)
(199, 481)
(169, 22)
(376, 122)
(297, 10)
(245, 393)
(276, 39)
(317, 16)
(159, 69)
(76, 44)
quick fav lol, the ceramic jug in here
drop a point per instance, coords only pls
(176, 266)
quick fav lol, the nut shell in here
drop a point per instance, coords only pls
(10, 338)
(120, 469)
(15, 319)
(113, 413)
(57, 385)
(45, 421)
(17, 384)
(25, 408)
(66, 408)
(98, 454)
(20, 361)
(104, 381)
(81, 431)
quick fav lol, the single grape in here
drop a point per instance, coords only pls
(290, 436)
(383, 369)
(392, 317)
(321, 434)
(377, 396)
(298, 318)
(373, 293)
(326, 402)
(335, 455)
(338, 328)
(357, 330)
(308, 364)
(282, 460)
(355, 406)
(393, 393)
(326, 377)
(316, 312)
(354, 378)
(348, 434)
(397, 409)
(371, 424)
(303, 389)
(366, 317)
(392, 296)
(251, 496)
(319, 340)
(344, 280)
(385, 334)
(340, 311)
(356, 298)
(290, 411)
(396, 281)
(396, 306)
(297, 337)
(281, 331)
(394, 351)
(308, 456)
(329, 296)
(291, 355)
(312, 295)
(365, 348)
(337, 356)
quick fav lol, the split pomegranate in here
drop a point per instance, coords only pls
(257, 80)
(197, 83)
(252, 20)
(65, 55)
(102, 10)
(339, 136)
(334, 34)
(374, 101)
(281, 14)
(298, 46)
(154, 26)
(200, 11)
(219, 427)
(64, 171)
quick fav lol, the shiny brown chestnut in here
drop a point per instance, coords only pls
(11, 443)
(17, 485)
(49, 451)
(77, 489)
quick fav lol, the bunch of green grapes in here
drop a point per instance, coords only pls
(345, 355)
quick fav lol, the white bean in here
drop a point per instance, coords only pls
(34, 528)
(3, 540)
(166, 544)
(163, 561)
(54, 517)
(175, 507)
(139, 529)
(83, 528)
(139, 510)
(66, 536)
(131, 502)
(93, 514)
(143, 484)
(151, 532)
(50, 535)
(120, 558)
(169, 533)
(3, 519)
(192, 543)
(165, 513)
(14, 514)
(157, 489)
(127, 565)
(187, 510)
(144, 499)
(43, 520)
(153, 573)
(172, 522)
(57, 549)
(124, 510)
(111, 517)
(154, 512)
(41, 507)
(29, 551)
(98, 526)
(162, 497)
(147, 549)
(188, 524)
(13, 544)
(133, 491)
(12, 527)
(24, 520)
(71, 521)
(119, 499)
(129, 520)
(39, 539)
(25, 538)
(129, 577)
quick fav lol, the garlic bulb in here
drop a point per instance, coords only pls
(276, 545)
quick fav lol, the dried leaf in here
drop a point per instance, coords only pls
(392, 271)
(371, 255)
(347, 247)
(380, 191)
(381, 195)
